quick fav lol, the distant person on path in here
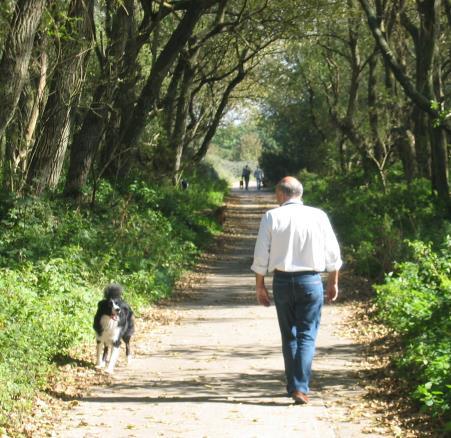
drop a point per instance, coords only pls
(296, 242)
(258, 173)
(245, 175)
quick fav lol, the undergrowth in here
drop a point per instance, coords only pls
(56, 258)
(415, 302)
(373, 223)
(396, 235)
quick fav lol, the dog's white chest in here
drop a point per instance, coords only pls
(110, 330)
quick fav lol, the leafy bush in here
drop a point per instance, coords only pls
(378, 227)
(416, 304)
(43, 311)
(372, 223)
(56, 259)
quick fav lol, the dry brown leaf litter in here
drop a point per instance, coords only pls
(386, 399)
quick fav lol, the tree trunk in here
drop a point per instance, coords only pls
(415, 95)
(346, 123)
(38, 102)
(85, 144)
(439, 162)
(16, 56)
(373, 116)
(439, 146)
(50, 148)
(20, 132)
(447, 6)
(426, 37)
(404, 141)
(169, 103)
(16, 150)
(133, 126)
(241, 74)
(15, 140)
(179, 132)
(422, 142)
(430, 75)
(86, 141)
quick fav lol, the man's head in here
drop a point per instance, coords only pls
(288, 188)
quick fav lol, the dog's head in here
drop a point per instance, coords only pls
(113, 309)
(113, 291)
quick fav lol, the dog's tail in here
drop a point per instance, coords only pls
(113, 291)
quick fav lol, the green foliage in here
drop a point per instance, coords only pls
(416, 303)
(45, 308)
(6, 10)
(371, 223)
(443, 113)
(238, 141)
(296, 125)
(376, 227)
(291, 142)
(55, 261)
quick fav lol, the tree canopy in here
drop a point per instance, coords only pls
(94, 89)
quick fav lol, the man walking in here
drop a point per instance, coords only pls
(258, 173)
(245, 174)
(296, 242)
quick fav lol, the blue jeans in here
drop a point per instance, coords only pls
(298, 298)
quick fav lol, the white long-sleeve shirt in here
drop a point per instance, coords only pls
(295, 237)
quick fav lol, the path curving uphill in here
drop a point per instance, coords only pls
(218, 372)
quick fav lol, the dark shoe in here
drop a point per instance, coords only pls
(299, 397)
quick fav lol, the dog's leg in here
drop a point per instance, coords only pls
(114, 354)
(108, 353)
(113, 359)
(128, 352)
(100, 360)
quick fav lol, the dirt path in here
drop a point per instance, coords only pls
(218, 372)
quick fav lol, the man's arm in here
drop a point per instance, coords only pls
(261, 258)
(262, 292)
(332, 286)
(333, 260)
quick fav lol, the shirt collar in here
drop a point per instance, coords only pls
(293, 201)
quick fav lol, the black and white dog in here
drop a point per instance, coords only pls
(113, 322)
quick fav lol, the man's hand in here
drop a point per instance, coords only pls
(262, 296)
(331, 292)
(262, 292)
(332, 286)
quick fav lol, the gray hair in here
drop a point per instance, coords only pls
(290, 187)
